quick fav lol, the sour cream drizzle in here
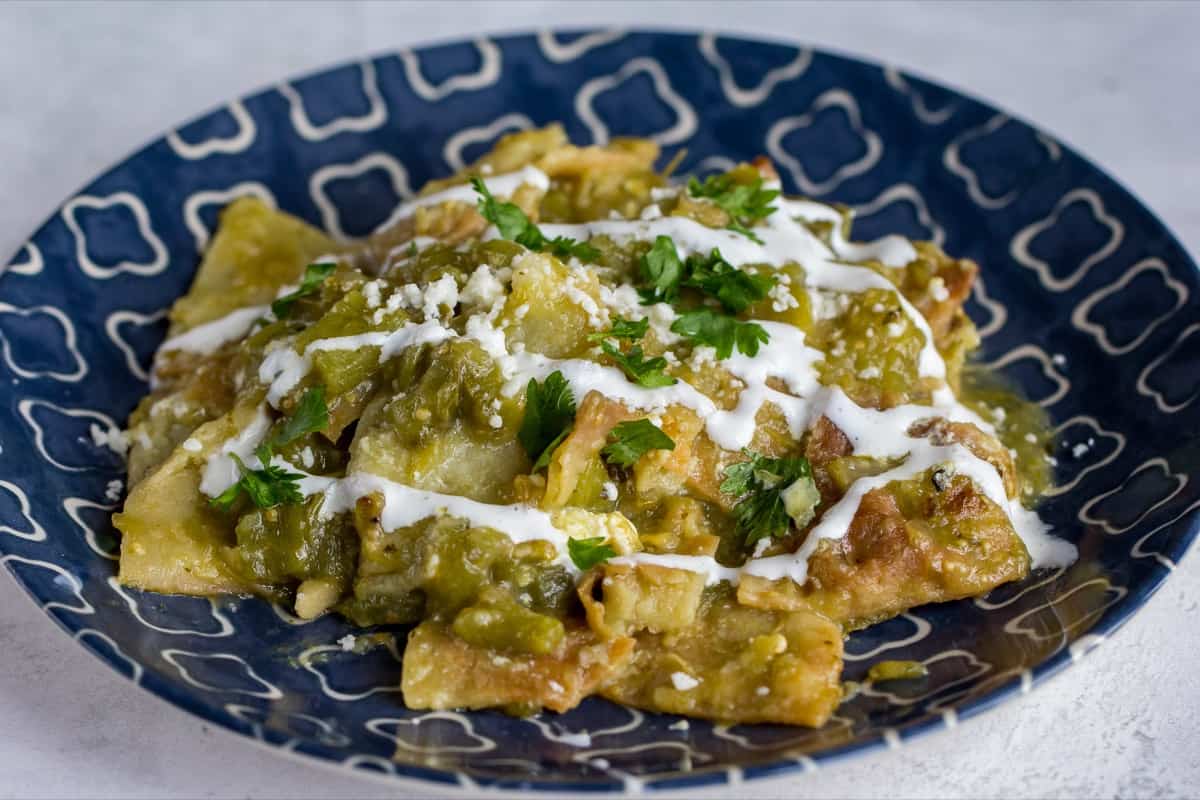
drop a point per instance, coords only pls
(786, 357)
(206, 339)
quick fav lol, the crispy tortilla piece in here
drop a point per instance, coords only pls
(171, 538)
(442, 671)
(739, 665)
(905, 548)
(255, 252)
(645, 597)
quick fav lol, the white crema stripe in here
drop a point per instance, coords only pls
(206, 339)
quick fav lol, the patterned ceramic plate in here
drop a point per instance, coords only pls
(1090, 304)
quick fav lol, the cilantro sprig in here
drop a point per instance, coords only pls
(549, 415)
(311, 415)
(272, 485)
(647, 372)
(631, 329)
(661, 272)
(745, 203)
(759, 484)
(629, 441)
(721, 332)
(267, 487)
(314, 276)
(514, 225)
(716, 277)
(587, 553)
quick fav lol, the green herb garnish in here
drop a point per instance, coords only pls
(745, 203)
(718, 278)
(314, 276)
(549, 415)
(514, 225)
(759, 483)
(565, 247)
(663, 274)
(720, 331)
(629, 441)
(643, 371)
(631, 329)
(266, 487)
(311, 415)
(587, 553)
(662, 271)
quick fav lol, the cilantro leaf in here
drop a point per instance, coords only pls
(738, 227)
(759, 483)
(632, 329)
(565, 247)
(662, 270)
(718, 278)
(549, 415)
(630, 440)
(267, 487)
(311, 415)
(514, 225)
(720, 331)
(647, 372)
(227, 498)
(587, 553)
(314, 276)
(508, 218)
(745, 203)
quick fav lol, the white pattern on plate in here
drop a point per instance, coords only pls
(487, 74)
(330, 218)
(173, 657)
(112, 327)
(68, 329)
(1080, 316)
(560, 53)
(72, 505)
(1019, 249)
(832, 98)
(36, 532)
(756, 95)
(452, 151)
(685, 117)
(239, 142)
(205, 197)
(140, 214)
(226, 627)
(375, 115)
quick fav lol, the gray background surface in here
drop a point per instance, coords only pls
(81, 86)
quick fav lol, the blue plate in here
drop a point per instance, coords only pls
(1089, 303)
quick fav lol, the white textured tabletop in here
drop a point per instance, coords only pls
(84, 85)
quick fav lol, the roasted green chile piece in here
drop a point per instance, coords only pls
(291, 543)
(341, 370)
(872, 350)
(437, 386)
(441, 565)
(498, 622)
